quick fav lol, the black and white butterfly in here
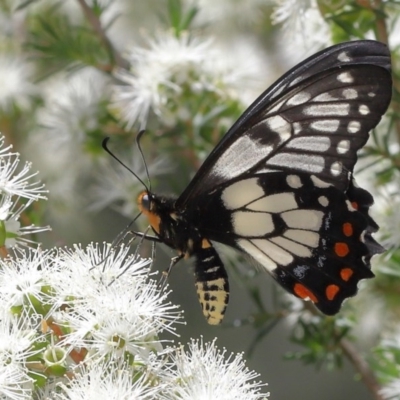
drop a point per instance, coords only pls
(279, 186)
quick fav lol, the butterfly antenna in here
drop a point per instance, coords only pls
(105, 147)
(138, 137)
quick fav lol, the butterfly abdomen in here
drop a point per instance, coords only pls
(211, 283)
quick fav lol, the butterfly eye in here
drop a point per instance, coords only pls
(146, 202)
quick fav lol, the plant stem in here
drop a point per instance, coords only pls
(98, 28)
(383, 36)
(362, 368)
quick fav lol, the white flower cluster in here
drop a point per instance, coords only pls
(390, 348)
(160, 74)
(304, 28)
(18, 191)
(85, 324)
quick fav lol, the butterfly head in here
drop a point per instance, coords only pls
(147, 204)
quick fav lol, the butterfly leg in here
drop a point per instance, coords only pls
(165, 274)
(212, 284)
(147, 237)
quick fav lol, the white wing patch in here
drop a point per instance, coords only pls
(317, 143)
(279, 125)
(294, 248)
(308, 238)
(345, 77)
(254, 213)
(325, 125)
(266, 252)
(343, 146)
(250, 224)
(303, 219)
(299, 98)
(336, 168)
(319, 183)
(241, 193)
(323, 200)
(274, 203)
(363, 109)
(344, 57)
(327, 110)
(245, 149)
(257, 254)
(309, 163)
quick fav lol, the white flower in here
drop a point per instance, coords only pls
(17, 339)
(15, 383)
(206, 373)
(115, 308)
(108, 382)
(391, 391)
(16, 181)
(11, 232)
(305, 29)
(162, 74)
(22, 279)
(157, 74)
(73, 107)
(389, 220)
(242, 12)
(15, 82)
(5, 150)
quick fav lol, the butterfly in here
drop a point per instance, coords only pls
(279, 186)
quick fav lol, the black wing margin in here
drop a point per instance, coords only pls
(312, 120)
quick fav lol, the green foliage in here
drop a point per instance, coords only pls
(57, 44)
(386, 361)
(320, 339)
(180, 19)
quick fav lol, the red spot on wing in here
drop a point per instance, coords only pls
(331, 291)
(347, 229)
(341, 249)
(346, 273)
(355, 205)
(304, 293)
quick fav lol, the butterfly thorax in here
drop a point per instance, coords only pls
(169, 224)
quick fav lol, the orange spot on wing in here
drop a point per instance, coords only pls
(331, 291)
(205, 244)
(355, 205)
(341, 249)
(346, 273)
(347, 228)
(304, 293)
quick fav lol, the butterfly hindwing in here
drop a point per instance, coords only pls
(308, 234)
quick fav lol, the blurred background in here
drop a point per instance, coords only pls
(73, 72)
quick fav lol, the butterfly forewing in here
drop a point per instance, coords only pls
(320, 118)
